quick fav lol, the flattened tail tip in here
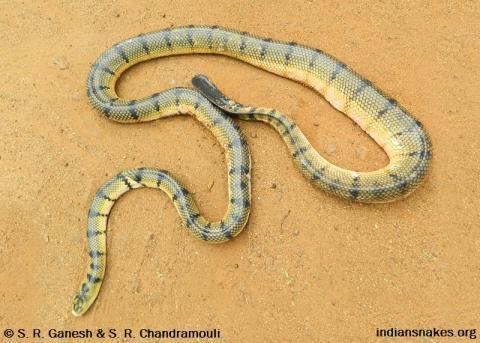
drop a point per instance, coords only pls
(76, 314)
(79, 305)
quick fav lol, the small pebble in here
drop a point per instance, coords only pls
(330, 148)
(76, 96)
(210, 185)
(361, 152)
(61, 63)
(273, 186)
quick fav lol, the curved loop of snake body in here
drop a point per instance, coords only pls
(391, 126)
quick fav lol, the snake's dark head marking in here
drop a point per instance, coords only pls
(205, 86)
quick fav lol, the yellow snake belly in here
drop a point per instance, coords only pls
(390, 125)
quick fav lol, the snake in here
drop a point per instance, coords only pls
(391, 126)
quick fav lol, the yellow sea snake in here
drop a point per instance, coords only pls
(390, 125)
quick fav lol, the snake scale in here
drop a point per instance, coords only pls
(390, 125)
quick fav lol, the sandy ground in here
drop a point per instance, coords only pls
(308, 267)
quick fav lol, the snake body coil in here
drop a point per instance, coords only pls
(391, 126)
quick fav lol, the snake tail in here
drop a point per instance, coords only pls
(238, 163)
